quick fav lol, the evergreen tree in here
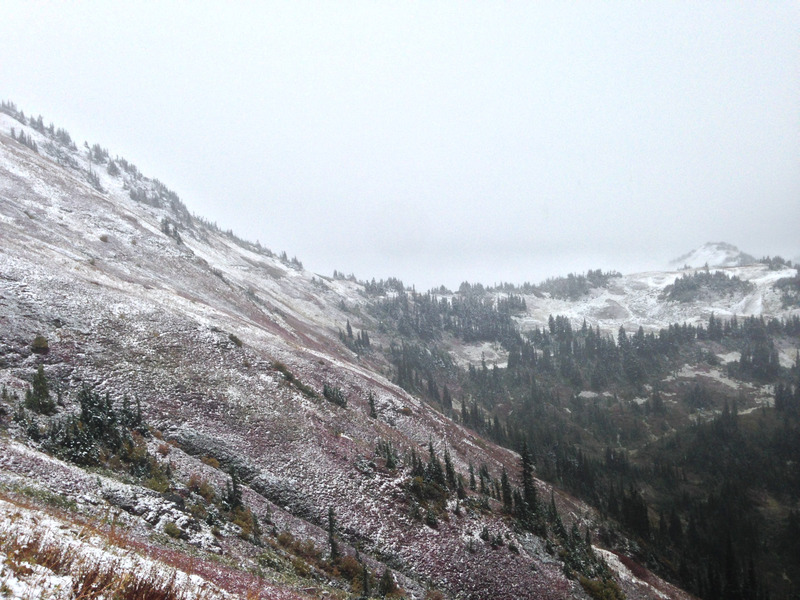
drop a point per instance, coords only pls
(485, 480)
(130, 418)
(519, 505)
(552, 511)
(372, 412)
(447, 399)
(334, 394)
(731, 588)
(675, 528)
(471, 477)
(38, 398)
(387, 584)
(450, 473)
(417, 466)
(366, 581)
(528, 486)
(434, 471)
(100, 419)
(391, 460)
(505, 486)
(331, 535)
(233, 493)
(555, 519)
(72, 441)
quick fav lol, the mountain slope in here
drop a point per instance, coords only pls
(637, 299)
(230, 349)
(714, 254)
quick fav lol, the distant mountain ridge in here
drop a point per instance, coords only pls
(714, 254)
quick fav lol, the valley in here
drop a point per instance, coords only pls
(203, 411)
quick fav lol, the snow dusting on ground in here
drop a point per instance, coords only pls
(229, 347)
(31, 539)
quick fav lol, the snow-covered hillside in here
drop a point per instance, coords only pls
(229, 348)
(713, 254)
(637, 300)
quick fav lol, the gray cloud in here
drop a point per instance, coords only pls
(440, 143)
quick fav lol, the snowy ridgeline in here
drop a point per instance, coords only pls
(630, 300)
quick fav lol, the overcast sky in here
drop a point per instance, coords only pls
(444, 141)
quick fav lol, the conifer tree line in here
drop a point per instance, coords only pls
(93, 430)
(61, 146)
(701, 284)
(574, 286)
(685, 527)
(571, 287)
(651, 498)
(738, 462)
(471, 317)
(100, 429)
(101, 432)
(586, 358)
(335, 395)
(25, 140)
(60, 136)
(358, 342)
(431, 482)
